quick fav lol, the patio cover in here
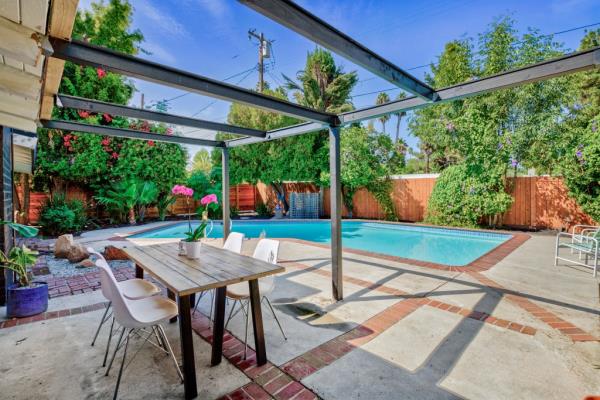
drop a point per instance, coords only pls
(35, 43)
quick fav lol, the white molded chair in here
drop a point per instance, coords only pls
(135, 317)
(133, 289)
(266, 250)
(233, 243)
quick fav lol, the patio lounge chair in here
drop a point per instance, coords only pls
(233, 243)
(580, 232)
(585, 244)
(138, 317)
(266, 250)
(133, 289)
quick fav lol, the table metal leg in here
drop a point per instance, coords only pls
(218, 326)
(257, 323)
(187, 348)
(139, 272)
(171, 296)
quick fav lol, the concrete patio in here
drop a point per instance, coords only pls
(520, 330)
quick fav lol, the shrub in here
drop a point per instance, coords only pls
(263, 210)
(59, 216)
(464, 195)
(581, 170)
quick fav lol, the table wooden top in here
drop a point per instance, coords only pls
(215, 268)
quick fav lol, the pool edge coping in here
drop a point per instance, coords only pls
(482, 263)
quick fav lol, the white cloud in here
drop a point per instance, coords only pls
(161, 19)
(160, 52)
(217, 8)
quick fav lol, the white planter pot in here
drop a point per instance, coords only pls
(192, 249)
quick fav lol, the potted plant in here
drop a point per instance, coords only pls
(192, 242)
(23, 298)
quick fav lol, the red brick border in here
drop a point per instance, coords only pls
(483, 263)
(9, 323)
(549, 318)
(465, 312)
(268, 381)
(328, 352)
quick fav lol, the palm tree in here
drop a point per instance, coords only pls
(202, 161)
(383, 98)
(323, 85)
(399, 116)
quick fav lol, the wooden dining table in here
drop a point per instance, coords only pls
(215, 269)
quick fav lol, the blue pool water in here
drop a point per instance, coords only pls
(439, 245)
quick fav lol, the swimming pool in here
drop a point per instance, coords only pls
(451, 247)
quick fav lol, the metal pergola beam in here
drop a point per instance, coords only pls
(568, 64)
(298, 19)
(132, 112)
(293, 130)
(86, 54)
(128, 133)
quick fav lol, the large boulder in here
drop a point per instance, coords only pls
(77, 253)
(114, 253)
(63, 246)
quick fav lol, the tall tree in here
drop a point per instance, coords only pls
(580, 155)
(433, 125)
(383, 98)
(322, 84)
(202, 161)
(399, 116)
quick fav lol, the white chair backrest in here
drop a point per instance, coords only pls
(234, 242)
(120, 309)
(267, 250)
(103, 287)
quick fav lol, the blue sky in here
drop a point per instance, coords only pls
(209, 37)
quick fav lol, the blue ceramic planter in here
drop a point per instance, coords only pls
(26, 301)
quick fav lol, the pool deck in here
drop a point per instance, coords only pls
(520, 328)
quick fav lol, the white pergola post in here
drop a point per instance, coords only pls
(335, 195)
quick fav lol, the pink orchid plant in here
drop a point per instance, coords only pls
(206, 201)
(181, 190)
(200, 231)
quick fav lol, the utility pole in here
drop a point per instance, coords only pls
(263, 52)
(142, 102)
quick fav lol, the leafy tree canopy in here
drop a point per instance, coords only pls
(93, 160)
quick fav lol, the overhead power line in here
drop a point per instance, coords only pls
(433, 63)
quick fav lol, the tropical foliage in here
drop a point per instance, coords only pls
(128, 199)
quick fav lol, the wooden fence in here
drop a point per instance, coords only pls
(540, 202)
